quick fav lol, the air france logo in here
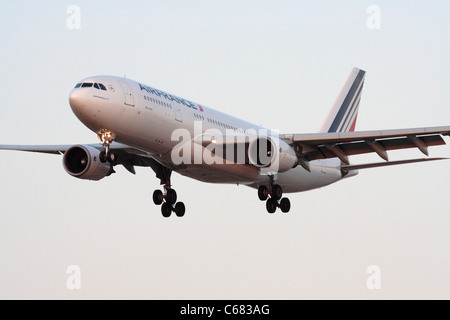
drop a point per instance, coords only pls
(170, 97)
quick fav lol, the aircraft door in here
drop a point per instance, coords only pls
(128, 93)
(178, 114)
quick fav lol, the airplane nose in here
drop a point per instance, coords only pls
(78, 102)
(75, 100)
(92, 106)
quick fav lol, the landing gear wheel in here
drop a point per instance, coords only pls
(277, 192)
(103, 157)
(158, 197)
(106, 137)
(271, 205)
(180, 209)
(171, 196)
(166, 210)
(263, 193)
(112, 158)
(285, 205)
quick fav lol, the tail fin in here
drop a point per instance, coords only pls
(343, 114)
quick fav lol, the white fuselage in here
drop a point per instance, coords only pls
(145, 118)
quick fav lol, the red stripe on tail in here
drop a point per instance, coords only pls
(352, 128)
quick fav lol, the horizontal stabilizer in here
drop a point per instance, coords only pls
(346, 168)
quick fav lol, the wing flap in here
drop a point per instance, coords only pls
(343, 144)
(348, 168)
(355, 148)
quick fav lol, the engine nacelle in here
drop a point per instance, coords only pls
(83, 162)
(272, 153)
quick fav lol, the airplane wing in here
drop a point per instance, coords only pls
(343, 144)
(128, 156)
(51, 149)
(308, 147)
(61, 149)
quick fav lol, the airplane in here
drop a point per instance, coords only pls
(138, 125)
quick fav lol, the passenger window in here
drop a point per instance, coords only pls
(86, 85)
(78, 85)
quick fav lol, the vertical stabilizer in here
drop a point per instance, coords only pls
(343, 114)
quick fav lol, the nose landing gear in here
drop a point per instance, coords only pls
(106, 137)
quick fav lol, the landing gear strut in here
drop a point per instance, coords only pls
(106, 137)
(275, 201)
(167, 199)
(168, 202)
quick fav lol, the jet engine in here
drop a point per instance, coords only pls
(83, 162)
(272, 153)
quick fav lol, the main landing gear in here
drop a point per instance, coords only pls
(168, 202)
(275, 201)
(168, 199)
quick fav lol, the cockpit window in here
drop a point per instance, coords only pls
(98, 86)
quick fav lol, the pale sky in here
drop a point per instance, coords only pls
(276, 63)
